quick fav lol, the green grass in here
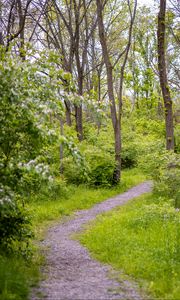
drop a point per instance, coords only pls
(141, 238)
(79, 197)
(17, 276)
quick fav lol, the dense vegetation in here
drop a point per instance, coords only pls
(81, 124)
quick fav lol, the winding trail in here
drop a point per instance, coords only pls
(71, 273)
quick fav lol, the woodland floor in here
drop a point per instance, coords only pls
(70, 271)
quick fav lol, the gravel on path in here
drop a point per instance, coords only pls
(70, 271)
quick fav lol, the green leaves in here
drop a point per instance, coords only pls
(30, 104)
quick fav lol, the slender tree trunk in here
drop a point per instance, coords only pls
(1, 22)
(78, 110)
(109, 70)
(80, 69)
(1, 39)
(79, 125)
(117, 169)
(163, 76)
(21, 25)
(68, 113)
(61, 150)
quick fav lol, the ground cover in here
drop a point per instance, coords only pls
(141, 238)
(18, 275)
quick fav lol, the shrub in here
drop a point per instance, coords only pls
(101, 166)
(73, 171)
(28, 98)
(129, 155)
(164, 167)
(97, 168)
(54, 190)
(15, 228)
(168, 178)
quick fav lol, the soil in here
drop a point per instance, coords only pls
(70, 271)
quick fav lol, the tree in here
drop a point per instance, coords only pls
(116, 111)
(69, 27)
(161, 33)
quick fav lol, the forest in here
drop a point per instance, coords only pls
(89, 149)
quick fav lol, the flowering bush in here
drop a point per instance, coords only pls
(15, 228)
(29, 100)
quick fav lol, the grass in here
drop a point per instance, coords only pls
(141, 238)
(17, 275)
(80, 197)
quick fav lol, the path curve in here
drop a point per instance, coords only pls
(70, 272)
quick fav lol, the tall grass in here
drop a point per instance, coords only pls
(142, 238)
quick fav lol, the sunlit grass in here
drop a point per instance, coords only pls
(16, 276)
(80, 197)
(142, 238)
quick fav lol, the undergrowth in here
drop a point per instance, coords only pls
(79, 197)
(142, 238)
(18, 275)
(15, 277)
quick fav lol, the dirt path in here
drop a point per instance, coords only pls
(70, 272)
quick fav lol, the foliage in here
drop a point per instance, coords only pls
(164, 168)
(17, 275)
(177, 138)
(97, 154)
(15, 229)
(29, 98)
(142, 238)
(47, 208)
(101, 166)
(35, 91)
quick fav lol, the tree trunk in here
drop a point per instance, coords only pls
(61, 150)
(1, 39)
(78, 110)
(68, 112)
(79, 125)
(117, 170)
(163, 76)
(109, 70)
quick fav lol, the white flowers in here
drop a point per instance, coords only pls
(33, 165)
(6, 196)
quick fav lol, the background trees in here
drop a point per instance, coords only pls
(116, 111)
(81, 100)
(91, 68)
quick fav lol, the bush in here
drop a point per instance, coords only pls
(27, 100)
(101, 166)
(73, 171)
(164, 167)
(168, 178)
(129, 155)
(97, 169)
(14, 226)
(54, 190)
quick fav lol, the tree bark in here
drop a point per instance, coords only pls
(68, 113)
(1, 39)
(79, 125)
(61, 150)
(163, 76)
(78, 108)
(109, 70)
